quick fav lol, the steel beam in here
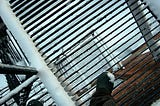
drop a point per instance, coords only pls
(14, 69)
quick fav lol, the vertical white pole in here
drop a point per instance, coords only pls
(44, 73)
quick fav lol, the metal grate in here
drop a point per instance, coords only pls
(85, 38)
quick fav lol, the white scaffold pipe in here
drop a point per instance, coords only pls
(44, 73)
(17, 89)
(154, 5)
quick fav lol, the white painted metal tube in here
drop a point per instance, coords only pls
(154, 6)
(17, 89)
(44, 73)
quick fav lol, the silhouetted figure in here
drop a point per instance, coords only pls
(104, 87)
(34, 103)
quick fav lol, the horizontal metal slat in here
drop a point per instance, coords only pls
(14, 5)
(57, 29)
(80, 34)
(25, 8)
(41, 15)
(19, 5)
(75, 31)
(57, 23)
(32, 10)
(99, 41)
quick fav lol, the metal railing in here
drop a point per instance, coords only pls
(81, 39)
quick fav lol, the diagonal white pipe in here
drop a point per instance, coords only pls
(17, 89)
(31, 52)
(154, 5)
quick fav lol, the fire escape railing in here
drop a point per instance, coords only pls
(15, 67)
(78, 40)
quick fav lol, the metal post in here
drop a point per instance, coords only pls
(44, 73)
(107, 54)
(145, 28)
